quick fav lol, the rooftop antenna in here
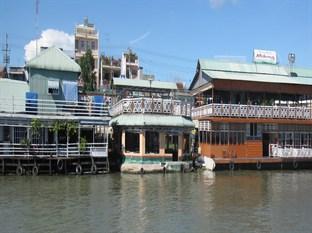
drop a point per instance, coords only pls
(6, 53)
(37, 31)
(291, 60)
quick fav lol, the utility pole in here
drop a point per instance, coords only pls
(6, 54)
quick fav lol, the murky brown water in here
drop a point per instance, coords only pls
(242, 201)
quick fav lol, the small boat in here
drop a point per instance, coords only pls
(209, 163)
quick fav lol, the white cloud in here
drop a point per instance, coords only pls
(48, 38)
(142, 37)
(220, 3)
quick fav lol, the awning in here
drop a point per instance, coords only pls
(70, 90)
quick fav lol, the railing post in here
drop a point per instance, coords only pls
(13, 104)
(230, 109)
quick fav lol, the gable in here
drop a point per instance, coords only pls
(54, 59)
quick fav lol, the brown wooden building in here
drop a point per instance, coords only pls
(252, 110)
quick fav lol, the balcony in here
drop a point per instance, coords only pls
(53, 150)
(252, 111)
(151, 105)
(51, 109)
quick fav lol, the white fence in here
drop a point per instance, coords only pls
(252, 111)
(53, 150)
(151, 105)
(53, 107)
(290, 152)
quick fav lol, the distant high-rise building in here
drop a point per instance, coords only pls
(87, 37)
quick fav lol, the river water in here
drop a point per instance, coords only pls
(239, 201)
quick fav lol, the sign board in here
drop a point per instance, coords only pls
(265, 56)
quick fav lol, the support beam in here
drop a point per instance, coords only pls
(180, 146)
(162, 140)
(142, 143)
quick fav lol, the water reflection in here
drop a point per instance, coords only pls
(240, 201)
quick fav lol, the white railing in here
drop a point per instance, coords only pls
(151, 105)
(252, 111)
(53, 150)
(52, 107)
(290, 152)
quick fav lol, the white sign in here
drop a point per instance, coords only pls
(265, 56)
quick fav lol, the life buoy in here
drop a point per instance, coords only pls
(19, 170)
(35, 170)
(60, 164)
(258, 165)
(231, 166)
(93, 169)
(295, 164)
(78, 169)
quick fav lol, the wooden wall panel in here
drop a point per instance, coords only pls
(251, 149)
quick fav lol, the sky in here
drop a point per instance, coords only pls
(169, 36)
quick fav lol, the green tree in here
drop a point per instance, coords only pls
(86, 63)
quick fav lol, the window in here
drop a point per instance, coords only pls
(186, 143)
(53, 87)
(253, 130)
(172, 143)
(132, 142)
(93, 45)
(152, 142)
(19, 134)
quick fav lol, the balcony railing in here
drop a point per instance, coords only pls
(151, 105)
(53, 150)
(252, 111)
(52, 107)
(290, 151)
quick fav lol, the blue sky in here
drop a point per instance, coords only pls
(170, 35)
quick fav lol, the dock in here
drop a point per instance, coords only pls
(263, 163)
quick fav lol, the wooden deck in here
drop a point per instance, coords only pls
(263, 163)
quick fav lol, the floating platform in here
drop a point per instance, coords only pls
(30, 165)
(163, 167)
(263, 163)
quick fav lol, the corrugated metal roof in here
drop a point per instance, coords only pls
(54, 59)
(254, 77)
(151, 120)
(144, 83)
(252, 68)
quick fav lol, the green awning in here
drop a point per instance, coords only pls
(152, 120)
(121, 82)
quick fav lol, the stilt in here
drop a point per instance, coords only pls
(50, 167)
(65, 166)
(3, 167)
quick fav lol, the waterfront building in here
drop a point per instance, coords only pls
(252, 111)
(150, 123)
(87, 37)
(43, 124)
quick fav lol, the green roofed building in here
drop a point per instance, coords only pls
(53, 75)
(252, 111)
(44, 128)
(150, 123)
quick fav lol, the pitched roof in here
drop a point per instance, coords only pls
(253, 72)
(144, 84)
(152, 120)
(54, 59)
